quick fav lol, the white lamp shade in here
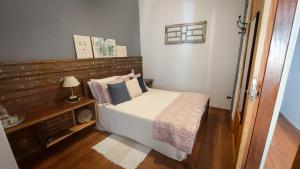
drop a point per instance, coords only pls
(70, 81)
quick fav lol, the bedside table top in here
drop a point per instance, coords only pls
(40, 114)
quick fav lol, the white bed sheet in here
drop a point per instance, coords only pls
(134, 119)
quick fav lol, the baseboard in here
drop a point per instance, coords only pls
(222, 109)
(289, 122)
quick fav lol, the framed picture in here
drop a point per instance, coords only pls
(104, 47)
(185, 33)
(121, 51)
(83, 46)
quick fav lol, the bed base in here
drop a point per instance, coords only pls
(191, 159)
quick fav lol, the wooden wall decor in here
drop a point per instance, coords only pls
(24, 86)
(186, 33)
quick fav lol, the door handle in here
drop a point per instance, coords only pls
(253, 91)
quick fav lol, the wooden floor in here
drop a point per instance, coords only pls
(76, 152)
(284, 146)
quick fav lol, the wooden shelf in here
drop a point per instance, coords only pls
(48, 125)
(70, 132)
(59, 138)
(82, 126)
(47, 112)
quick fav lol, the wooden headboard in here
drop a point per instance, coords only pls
(24, 86)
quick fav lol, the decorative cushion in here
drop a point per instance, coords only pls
(100, 87)
(140, 79)
(94, 93)
(127, 77)
(118, 93)
(134, 88)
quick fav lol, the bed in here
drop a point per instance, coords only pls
(135, 119)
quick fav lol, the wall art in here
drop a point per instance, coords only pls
(186, 33)
(104, 47)
(83, 46)
(121, 51)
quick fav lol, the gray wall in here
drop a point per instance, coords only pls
(42, 29)
(291, 102)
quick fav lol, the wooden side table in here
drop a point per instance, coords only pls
(44, 127)
(149, 82)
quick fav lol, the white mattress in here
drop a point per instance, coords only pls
(134, 119)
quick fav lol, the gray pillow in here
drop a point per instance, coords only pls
(118, 93)
(142, 83)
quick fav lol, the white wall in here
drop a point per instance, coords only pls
(291, 106)
(208, 67)
(7, 160)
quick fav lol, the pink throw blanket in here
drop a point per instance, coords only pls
(178, 123)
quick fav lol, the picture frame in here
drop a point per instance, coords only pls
(83, 46)
(186, 33)
(103, 47)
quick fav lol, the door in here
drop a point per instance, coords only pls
(269, 56)
(238, 124)
(296, 164)
(253, 52)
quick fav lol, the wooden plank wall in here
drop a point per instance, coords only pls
(24, 86)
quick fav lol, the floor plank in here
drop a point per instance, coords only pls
(76, 152)
(284, 146)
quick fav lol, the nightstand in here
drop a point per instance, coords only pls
(148, 82)
(46, 126)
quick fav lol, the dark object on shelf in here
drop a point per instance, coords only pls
(73, 99)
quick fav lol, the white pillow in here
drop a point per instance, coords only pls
(92, 90)
(134, 88)
(127, 77)
(102, 95)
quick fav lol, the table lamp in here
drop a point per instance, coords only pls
(71, 81)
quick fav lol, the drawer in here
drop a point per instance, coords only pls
(59, 124)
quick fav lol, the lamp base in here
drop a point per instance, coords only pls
(73, 99)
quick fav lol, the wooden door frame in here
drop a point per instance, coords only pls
(267, 9)
(238, 121)
(288, 61)
(274, 51)
(296, 164)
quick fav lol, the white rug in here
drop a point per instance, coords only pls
(122, 151)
